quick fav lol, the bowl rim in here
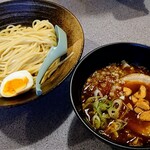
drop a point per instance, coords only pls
(103, 139)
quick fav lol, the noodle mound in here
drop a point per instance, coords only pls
(24, 48)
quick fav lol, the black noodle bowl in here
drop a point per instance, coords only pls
(25, 12)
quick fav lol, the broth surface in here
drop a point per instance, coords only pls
(110, 111)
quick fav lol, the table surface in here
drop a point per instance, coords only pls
(50, 122)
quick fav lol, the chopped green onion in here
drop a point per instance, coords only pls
(96, 121)
(113, 111)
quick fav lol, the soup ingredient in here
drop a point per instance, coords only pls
(138, 99)
(137, 77)
(141, 106)
(102, 110)
(145, 116)
(113, 111)
(115, 126)
(16, 83)
(141, 93)
(98, 109)
(127, 91)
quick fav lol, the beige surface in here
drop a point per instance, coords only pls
(39, 125)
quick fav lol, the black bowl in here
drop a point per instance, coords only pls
(133, 53)
(24, 12)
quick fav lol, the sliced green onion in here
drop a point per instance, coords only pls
(105, 104)
(113, 111)
(115, 126)
(96, 121)
(89, 101)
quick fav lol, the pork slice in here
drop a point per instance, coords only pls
(137, 77)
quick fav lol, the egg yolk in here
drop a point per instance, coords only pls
(15, 85)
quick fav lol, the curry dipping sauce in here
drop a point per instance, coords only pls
(116, 103)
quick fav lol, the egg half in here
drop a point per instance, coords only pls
(16, 83)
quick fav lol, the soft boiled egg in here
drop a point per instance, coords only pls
(16, 83)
